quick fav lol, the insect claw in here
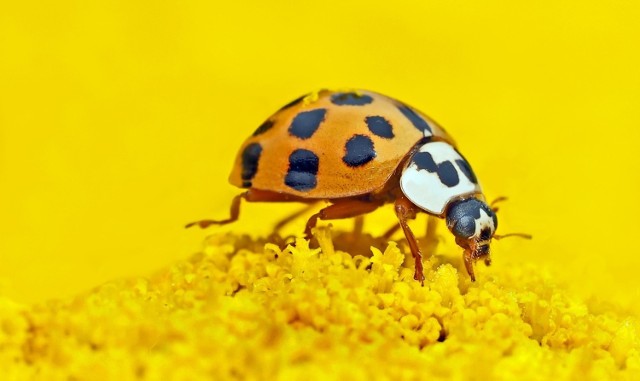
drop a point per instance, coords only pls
(468, 263)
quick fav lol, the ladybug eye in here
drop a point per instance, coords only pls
(494, 217)
(465, 227)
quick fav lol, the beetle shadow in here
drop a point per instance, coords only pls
(358, 243)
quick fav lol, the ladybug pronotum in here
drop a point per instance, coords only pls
(359, 150)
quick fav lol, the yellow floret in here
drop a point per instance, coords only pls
(252, 310)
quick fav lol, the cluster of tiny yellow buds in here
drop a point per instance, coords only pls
(245, 309)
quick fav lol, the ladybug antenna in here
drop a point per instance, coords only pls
(495, 210)
(496, 201)
(521, 235)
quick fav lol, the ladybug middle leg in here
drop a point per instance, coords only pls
(342, 209)
(391, 231)
(358, 225)
(293, 216)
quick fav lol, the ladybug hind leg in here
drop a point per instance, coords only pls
(252, 195)
(234, 213)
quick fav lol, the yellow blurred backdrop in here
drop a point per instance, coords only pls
(119, 122)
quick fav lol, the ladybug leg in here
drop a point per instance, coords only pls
(468, 264)
(497, 201)
(252, 195)
(405, 210)
(358, 225)
(340, 210)
(392, 230)
(293, 216)
(233, 214)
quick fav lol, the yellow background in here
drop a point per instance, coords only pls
(119, 122)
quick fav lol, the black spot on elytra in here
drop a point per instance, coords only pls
(446, 171)
(293, 102)
(305, 124)
(358, 151)
(415, 119)
(380, 126)
(250, 159)
(350, 99)
(466, 169)
(264, 127)
(303, 168)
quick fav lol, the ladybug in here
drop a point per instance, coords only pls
(359, 150)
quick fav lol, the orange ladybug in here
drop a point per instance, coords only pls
(360, 150)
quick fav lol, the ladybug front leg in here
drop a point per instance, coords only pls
(405, 210)
(468, 264)
(341, 209)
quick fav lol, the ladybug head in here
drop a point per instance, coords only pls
(473, 223)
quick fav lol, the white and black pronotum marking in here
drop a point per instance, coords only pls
(435, 175)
